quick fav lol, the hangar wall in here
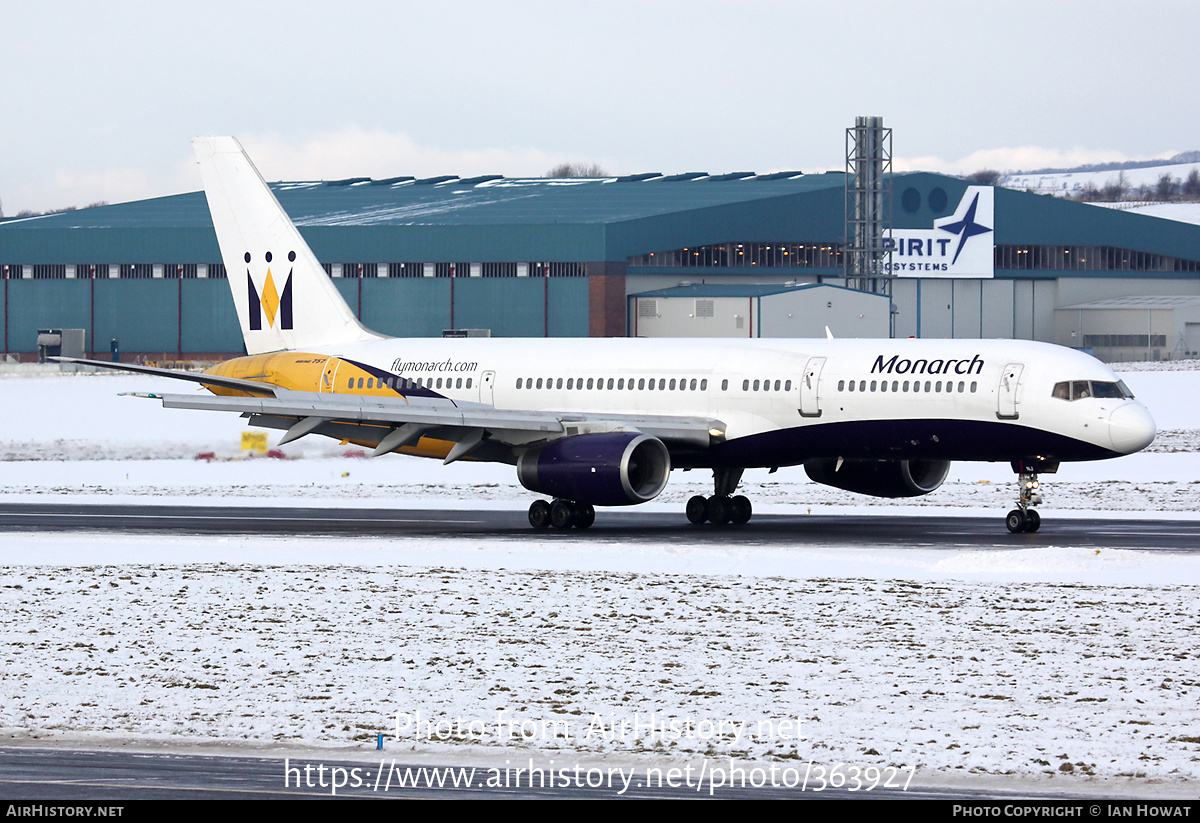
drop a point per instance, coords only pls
(168, 317)
(600, 242)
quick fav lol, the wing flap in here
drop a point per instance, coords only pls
(429, 414)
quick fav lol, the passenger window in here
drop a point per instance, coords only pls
(862, 385)
(852, 384)
(621, 384)
(641, 383)
(724, 385)
(745, 385)
(704, 384)
(610, 384)
(518, 382)
(693, 386)
(350, 384)
(873, 385)
(841, 385)
(787, 386)
(360, 382)
(973, 385)
(756, 385)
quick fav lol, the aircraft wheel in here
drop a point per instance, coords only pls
(740, 509)
(585, 515)
(1016, 521)
(539, 514)
(697, 510)
(1033, 521)
(719, 510)
(562, 514)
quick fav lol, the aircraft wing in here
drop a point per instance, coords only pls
(394, 422)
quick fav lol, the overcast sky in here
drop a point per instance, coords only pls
(99, 100)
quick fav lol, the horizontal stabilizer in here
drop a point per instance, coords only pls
(196, 377)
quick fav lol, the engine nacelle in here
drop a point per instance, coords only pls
(881, 478)
(607, 469)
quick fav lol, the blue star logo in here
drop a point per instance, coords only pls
(965, 228)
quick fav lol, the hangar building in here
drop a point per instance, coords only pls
(578, 257)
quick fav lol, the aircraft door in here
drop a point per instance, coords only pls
(1007, 394)
(810, 384)
(487, 388)
(329, 374)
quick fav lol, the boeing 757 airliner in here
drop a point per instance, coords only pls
(602, 422)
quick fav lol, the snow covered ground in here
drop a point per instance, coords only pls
(1055, 660)
(1069, 183)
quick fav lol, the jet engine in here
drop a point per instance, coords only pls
(607, 469)
(880, 478)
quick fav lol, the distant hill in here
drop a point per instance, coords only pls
(1134, 180)
(1182, 157)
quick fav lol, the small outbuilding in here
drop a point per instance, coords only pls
(712, 310)
(1137, 327)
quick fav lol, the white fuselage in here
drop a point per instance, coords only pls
(785, 401)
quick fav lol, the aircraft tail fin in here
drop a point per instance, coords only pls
(284, 299)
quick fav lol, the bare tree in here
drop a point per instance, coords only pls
(1165, 187)
(1191, 186)
(1115, 190)
(576, 170)
(985, 177)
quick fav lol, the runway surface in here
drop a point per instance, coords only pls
(87, 776)
(627, 526)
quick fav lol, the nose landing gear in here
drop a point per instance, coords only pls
(1024, 518)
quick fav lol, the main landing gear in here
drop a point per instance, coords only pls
(721, 508)
(1024, 518)
(561, 514)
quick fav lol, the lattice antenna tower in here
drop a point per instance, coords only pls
(867, 255)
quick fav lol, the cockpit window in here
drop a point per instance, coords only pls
(1079, 389)
(1107, 390)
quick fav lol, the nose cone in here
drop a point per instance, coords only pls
(1131, 428)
